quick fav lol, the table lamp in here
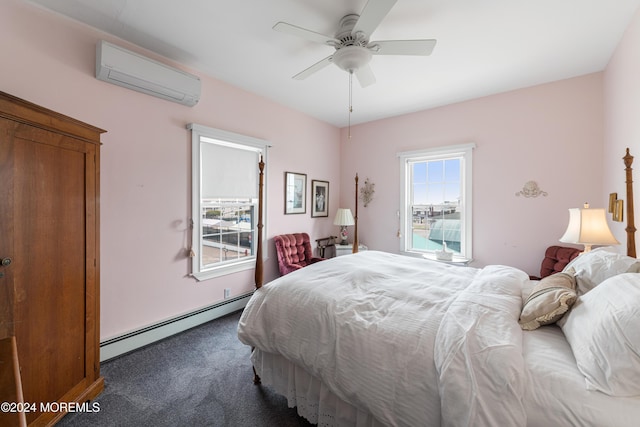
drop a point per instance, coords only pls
(344, 218)
(588, 227)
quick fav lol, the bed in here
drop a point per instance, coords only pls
(377, 339)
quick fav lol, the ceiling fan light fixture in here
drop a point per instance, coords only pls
(351, 58)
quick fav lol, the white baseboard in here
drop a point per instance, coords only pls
(133, 340)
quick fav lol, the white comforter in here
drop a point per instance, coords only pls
(414, 342)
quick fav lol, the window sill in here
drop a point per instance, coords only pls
(457, 260)
(224, 270)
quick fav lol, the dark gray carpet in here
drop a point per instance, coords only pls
(201, 377)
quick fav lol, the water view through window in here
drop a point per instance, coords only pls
(436, 188)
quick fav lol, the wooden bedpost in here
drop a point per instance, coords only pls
(631, 229)
(259, 267)
(355, 220)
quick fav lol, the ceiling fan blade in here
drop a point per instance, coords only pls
(402, 47)
(365, 76)
(294, 30)
(372, 15)
(314, 68)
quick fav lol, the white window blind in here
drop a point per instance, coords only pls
(230, 171)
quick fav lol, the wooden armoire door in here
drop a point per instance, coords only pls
(49, 244)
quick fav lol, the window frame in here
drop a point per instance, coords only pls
(463, 151)
(198, 271)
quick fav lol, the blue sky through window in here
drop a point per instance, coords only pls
(436, 181)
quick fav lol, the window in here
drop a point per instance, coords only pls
(224, 211)
(435, 210)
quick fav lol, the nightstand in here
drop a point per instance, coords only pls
(347, 249)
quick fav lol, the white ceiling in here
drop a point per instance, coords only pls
(484, 46)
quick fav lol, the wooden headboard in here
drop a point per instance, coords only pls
(631, 229)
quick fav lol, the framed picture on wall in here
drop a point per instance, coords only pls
(618, 210)
(320, 202)
(612, 202)
(295, 193)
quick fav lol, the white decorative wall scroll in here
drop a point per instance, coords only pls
(531, 189)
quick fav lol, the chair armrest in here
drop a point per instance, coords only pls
(290, 267)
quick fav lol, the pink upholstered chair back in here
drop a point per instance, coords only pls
(294, 252)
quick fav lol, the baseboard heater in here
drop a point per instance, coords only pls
(128, 342)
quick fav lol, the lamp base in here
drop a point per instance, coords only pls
(343, 235)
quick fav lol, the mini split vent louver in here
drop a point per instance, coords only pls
(122, 67)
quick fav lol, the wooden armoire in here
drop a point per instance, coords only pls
(49, 258)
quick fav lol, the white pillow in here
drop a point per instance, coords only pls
(603, 329)
(596, 266)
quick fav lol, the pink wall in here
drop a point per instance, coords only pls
(556, 134)
(145, 179)
(622, 113)
(551, 134)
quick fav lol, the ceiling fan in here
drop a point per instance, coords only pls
(353, 48)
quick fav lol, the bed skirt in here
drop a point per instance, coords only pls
(313, 400)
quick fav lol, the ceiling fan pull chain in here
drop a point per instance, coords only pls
(350, 99)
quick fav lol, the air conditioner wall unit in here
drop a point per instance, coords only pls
(122, 67)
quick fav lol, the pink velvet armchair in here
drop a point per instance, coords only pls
(294, 252)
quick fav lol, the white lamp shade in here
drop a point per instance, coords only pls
(588, 227)
(344, 217)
